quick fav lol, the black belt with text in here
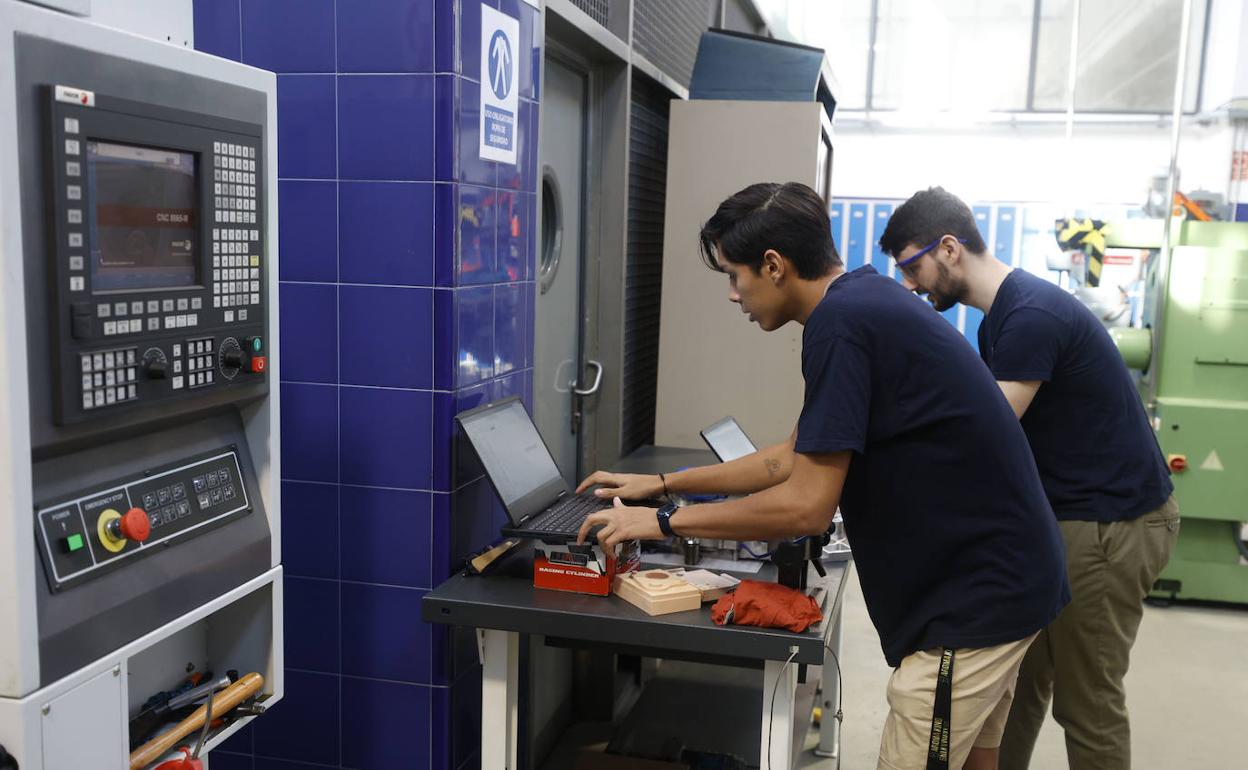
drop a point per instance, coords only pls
(938, 743)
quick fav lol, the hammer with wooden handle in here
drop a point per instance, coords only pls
(244, 688)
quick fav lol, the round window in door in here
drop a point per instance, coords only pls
(552, 230)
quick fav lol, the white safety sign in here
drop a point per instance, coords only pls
(500, 102)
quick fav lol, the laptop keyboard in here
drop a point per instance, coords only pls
(566, 517)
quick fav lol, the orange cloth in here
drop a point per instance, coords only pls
(769, 605)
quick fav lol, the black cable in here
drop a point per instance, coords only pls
(771, 719)
(840, 685)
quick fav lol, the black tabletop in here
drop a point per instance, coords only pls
(504, 599)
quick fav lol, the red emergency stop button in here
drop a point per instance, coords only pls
(135, 525)
(259, 364)
(1178, 463)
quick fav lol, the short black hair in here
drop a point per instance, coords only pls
(790, 218)
(928, 215)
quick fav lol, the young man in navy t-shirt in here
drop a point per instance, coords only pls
(957, 550)
(1098, 458)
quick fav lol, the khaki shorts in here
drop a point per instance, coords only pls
(983, 689)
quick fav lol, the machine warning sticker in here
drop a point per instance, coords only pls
(1212, 462)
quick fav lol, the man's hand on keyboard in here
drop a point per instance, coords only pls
(630, 486)
(620, 523)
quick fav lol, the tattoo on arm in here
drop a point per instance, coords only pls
(773, 466)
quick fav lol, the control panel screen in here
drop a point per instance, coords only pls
(143, 221)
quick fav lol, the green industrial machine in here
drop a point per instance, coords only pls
(1192, 351)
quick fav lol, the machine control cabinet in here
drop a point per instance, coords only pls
(139, 481)
(159, 253)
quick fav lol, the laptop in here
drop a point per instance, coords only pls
(539, 503)
(727, 440)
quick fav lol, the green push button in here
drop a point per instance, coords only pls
(74, 543)
(256, 344)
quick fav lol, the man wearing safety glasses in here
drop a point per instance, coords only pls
(1098, 457)
(956, 548)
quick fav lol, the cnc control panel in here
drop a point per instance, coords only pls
(159, 263)
(101, 528)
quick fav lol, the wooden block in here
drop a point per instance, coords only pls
(657, 592)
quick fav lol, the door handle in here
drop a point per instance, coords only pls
(592, 389)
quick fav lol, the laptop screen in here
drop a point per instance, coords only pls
(515, 457)
(727, 440)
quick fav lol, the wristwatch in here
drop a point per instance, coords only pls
(664, 515)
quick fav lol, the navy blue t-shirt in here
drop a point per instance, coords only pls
(1097, 453)
(953, 538)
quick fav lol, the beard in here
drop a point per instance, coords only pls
(948, 290)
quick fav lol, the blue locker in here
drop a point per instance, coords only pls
(982, 214)
(836, 212)
(974, 317)
(880, 213)
(856, 250)
(1004, 247)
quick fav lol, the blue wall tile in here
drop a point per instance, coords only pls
(476, 518)
(216, 25)
(308, 231)
(309, 329)
(446, 141)
(476, 260)
(304, 725)
(444, 28)
(474, 335)
(382, 633)
(533, 240)
(238, 743)
(444, 339)
(310, 432)
(311, 623)
(222, 760)
(387, 537)
(269, 763)
(306, 133)
(468, 62)
(520, 176)
(385, 127)
(289, 35)
(387, 233)
(386, 437)
(445, 233)
(387, 336)
(383, 725)
(310, 534)
(441, 564)
(386, 36)
(510, 241)
(510, 314)
(471, 168)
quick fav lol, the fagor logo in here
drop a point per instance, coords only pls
(501, 65)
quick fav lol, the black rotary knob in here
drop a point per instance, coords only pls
(230, 358)
(155, 365)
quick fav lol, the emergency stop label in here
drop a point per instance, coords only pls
(500, 102)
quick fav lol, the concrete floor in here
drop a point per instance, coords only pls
(1187, 691)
